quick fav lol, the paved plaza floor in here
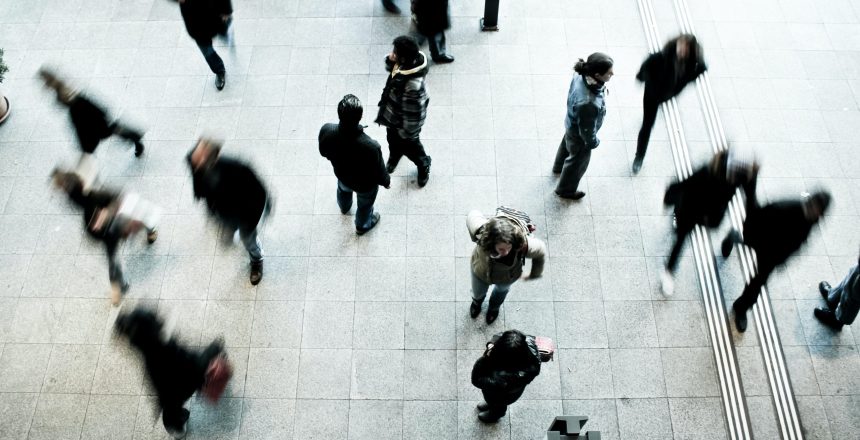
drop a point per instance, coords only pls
(369, 337)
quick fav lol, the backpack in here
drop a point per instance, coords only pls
(518, 217)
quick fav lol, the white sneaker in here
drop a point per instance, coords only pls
(667, 283)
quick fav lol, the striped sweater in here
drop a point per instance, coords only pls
(404, 100)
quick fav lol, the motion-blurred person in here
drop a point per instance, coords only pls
(431, 19)
(775, 231)
(204, 20)
(89, 119)
(403, 106)
(702, 199)
(357, 162)
(234, 195)
(390, 6)
(502, 245)
(510, 362)
(843, 301)
(665, 74)
(110, 217)
(585, 111)
(175, 372)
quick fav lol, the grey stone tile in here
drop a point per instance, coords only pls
(657, 235)
(680, 324)
(228, 283)
(429, 420)
(230, 320)
(277, 324)
(71, 369)
(285, 279)
(602, 416)
(110, 417)
(377, 374)
(332, 382)
(752, 371)
(469, 427)
(23, 366)
(788, 322)
(34, 321)
(376, 419)
(220, 421)
(686, 279)
(430, 278)
(618, 236)
(381, 279)
(631, 324)
(817, 333)
(429, 235)
(119, 371)
(331, 278)
(379, 325)
(82, 321)
(762, 417)
(827, 360)
(801, 371)
(430, 325)
(272, 373)
(689, 372)
(474, 333)
(811, 411)
(529, 417)
(842, 413)
(576, 279)
(59, 416)
(636, 416)
(16, 413)
(430, 375)
(239, 358)
(581, 325)
(623, 278)
(188, 316)
(13, 269)
(586, 373)
(327, 324)
(694, 418)
(534, 318)
(321, 419)
(267, 418)
(47, 274)
(637, 373)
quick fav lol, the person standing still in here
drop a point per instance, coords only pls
(665, 75)
(510, 362)
(357, 162)
(585, 111)
(204, 20)
(403, 106)
(431, 19)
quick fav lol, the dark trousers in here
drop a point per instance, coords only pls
(682, 230)
(364, 211)
(216, 64)
(571, 161)
(650, 106)
(412, 148)
(174, 416)
(436, 42)
(753, 289)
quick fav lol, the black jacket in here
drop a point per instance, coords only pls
(776, 230)
(660, 73)
(203, 17)
(232, 191)
(91, 202)
(431, 16)
(502, 386)
(356, 158)
(90, 122)
(702, 198)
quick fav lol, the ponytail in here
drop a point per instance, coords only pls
(598, 63)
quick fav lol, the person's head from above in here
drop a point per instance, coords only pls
(815, 205)
(499, 237)
(204, 154)
(405, 52)
(141, 326)
(686, 46)
(349, 111)
(65, 93)
(66, 181)
(511, 350)
(598, 67)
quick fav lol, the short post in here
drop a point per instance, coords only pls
(490, 21)
(568, 428)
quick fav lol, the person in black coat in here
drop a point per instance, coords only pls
(357, 162)
(510, 362)
(204, 20)
(431, 20)
(665, 74)
(175, 372)
(89, 119)
(702, 199)
(775, 231)
(234, 195)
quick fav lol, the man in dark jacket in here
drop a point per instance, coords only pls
(357, 162)
(204, 20)
(702, 199)
(89, 119)
(234, 195)
(843, 301)
(775, 231)
(665, 74)
(431, 19)
(403, 106)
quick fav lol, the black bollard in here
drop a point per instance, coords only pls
(490, 22)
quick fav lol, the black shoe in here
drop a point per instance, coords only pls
(390, 6)
(391, 165)
(556, 170)
(488, 417)
(483, 406)
(138, 149)
(374, 220)
(220, 80)
(828, 318)
(256, 272)
(474, 311)
(740, 319)
(575, 196)
(824, 289)
(424, 173)
(637, 164)
(729, 243)
(443, 59)
(492, 315)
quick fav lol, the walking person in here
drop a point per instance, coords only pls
(665, 74)
(89, 118)
(510, 362)
(204, 20)
(234, 195)
(390, 6)
(357, 162)
(502, 246)
(775, 231)
(431, 19)
(585, 111)
(702, 199)
(403, 106)
(110, 217)
(843, 301)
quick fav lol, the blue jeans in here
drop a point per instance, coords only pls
(479, 292)
(364, 211)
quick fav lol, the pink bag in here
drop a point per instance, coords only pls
(218, 374)
(546, 348)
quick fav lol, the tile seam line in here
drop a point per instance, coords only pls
(770, 343)
(733, 400)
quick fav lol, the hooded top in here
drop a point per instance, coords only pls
(664, 76)
(585, 110)
(403, 105)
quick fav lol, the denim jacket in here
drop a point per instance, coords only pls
(585, 111)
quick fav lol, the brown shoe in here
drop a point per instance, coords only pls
(152, 236)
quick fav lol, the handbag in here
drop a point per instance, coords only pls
(218, 373)
(546, 348)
